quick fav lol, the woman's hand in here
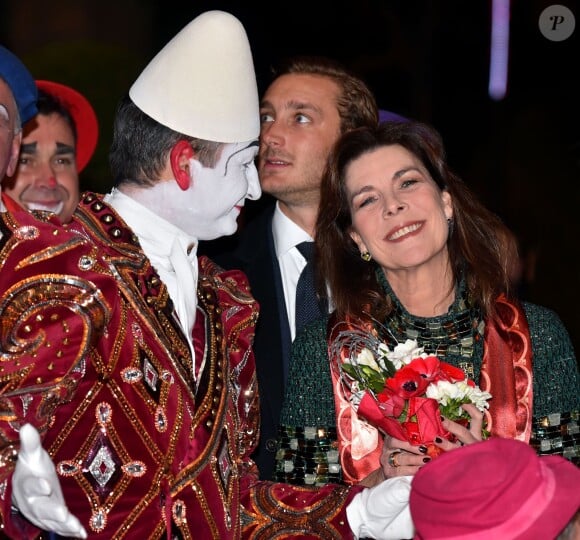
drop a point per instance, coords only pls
(400, 458)
(464, 435)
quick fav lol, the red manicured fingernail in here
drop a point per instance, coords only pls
(426, 459)
(438, 440)
(422, 449)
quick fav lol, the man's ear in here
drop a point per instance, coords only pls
(180, 155)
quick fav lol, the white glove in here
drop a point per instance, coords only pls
(36, 489)
(382, 512)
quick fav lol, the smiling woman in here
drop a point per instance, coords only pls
(399, 213)
(406, 251)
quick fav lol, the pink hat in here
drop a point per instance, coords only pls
(497, 488)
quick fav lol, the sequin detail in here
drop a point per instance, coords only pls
(558, 434)
(308, 455)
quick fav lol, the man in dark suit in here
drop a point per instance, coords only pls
(308, 104)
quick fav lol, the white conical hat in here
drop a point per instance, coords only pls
(203, 83)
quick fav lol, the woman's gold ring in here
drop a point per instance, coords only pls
(392, 461)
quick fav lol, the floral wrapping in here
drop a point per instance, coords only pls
(401, 391)
(506, 371)
(146, 443)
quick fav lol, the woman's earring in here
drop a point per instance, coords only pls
(365, 256)
(450, 225)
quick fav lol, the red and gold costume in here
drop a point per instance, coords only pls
(146, 445)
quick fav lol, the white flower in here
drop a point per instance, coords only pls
(367, 358)
(403, 353)
(447, 393)
(443, 392)
(479, 398)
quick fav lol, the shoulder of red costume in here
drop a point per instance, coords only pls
(230, 282)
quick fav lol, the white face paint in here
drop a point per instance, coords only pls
(216, 196)
(209, 208)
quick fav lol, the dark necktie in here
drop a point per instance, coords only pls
(308, 306)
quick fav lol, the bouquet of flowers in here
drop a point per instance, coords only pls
(403, 392)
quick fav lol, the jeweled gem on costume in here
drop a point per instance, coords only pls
(98, 520)
(102, 467)
(135, 469)
(67, 468)
(26, 233)
(103, 413)
(131, 375)
(150, 373)
(86, 262)
(160, 420)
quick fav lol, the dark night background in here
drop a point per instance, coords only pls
(427, 60)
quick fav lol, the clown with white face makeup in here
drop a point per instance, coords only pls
(197, 202)
(218, 194)
(207, 204)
